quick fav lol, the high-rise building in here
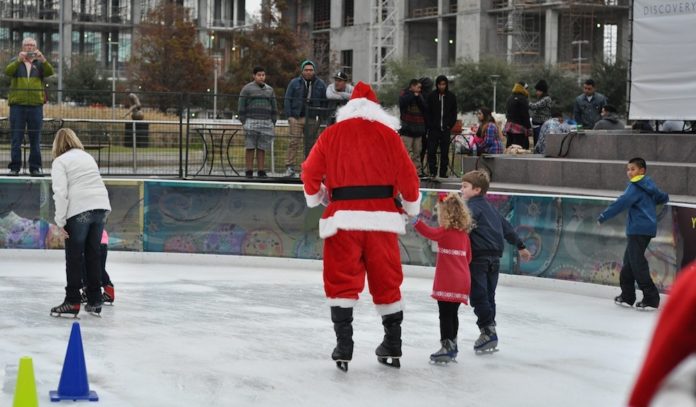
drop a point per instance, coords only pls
(105, 28)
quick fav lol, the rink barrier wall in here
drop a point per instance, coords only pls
(272, 220)
(226, 262)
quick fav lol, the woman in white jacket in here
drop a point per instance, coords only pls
(82, 206)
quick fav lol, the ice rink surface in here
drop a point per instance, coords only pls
(200, 330)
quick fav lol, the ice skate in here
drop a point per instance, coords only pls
(83, 295)
(389, 351)
(647, 305)
(343, 352)
(619, 300)
(94, 309)
(487, 342)
(446, 354)
(109, 294)
(65, 309)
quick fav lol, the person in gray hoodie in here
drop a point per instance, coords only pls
(609, 120)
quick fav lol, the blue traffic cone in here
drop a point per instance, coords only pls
(73, 380)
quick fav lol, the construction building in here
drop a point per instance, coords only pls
(359, 36)
(105, 28)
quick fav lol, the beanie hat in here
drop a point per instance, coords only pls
(363, 90)
(305, 63)
(542, 86)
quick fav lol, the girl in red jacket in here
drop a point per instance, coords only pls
(452, 280)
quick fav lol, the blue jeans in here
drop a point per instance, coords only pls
(484, 280)
(85, 231)
(31, 118)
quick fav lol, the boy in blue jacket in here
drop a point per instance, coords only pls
(640, 198)
(487, 244)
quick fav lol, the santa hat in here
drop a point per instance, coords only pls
(363, 90)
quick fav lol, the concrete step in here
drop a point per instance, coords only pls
(530, 169)
(623, 145)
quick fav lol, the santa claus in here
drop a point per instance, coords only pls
(673, 343)
(361, 170)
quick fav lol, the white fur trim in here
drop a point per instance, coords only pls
(386, 309)
(412, 208)
(342, 302)
(381, 221)
(316, 199)
(368, 110)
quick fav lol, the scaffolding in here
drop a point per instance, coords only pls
(383, 27)
(520, 27)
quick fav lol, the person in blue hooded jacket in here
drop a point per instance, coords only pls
(640, 199)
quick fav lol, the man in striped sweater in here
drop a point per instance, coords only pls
(258, 113)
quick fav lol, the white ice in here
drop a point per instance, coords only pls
(202, 330)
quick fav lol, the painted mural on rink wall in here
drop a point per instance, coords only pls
(273, 220)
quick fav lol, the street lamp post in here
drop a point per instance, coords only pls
(580, 43)
(216, 62)
(494, 79)
(114, 55)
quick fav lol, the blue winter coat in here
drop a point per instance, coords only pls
(294, 102)
(491, 229)
(640, 198)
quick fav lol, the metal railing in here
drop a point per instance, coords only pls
(177, 137)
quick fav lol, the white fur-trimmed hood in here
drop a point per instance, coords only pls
(365, 109)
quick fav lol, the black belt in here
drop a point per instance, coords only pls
(362, 192)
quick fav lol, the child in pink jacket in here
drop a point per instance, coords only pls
(452, 281)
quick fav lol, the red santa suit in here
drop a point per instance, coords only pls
(361, 165)
(674, 339)
(452, 282)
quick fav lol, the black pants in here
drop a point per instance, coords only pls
(105, 279)
(449, 320)
(519, 139)
(82, 250)
(484, 280)
(635, 269)
(441, 139)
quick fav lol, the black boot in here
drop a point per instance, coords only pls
(342, 319)
(389, 351)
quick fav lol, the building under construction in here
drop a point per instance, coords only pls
(359, 36)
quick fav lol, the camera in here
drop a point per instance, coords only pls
(31, 54)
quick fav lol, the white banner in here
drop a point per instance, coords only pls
(663, 69)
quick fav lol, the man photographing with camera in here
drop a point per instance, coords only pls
(26, 99)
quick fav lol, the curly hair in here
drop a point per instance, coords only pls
(454, 214)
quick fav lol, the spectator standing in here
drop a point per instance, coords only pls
(441, 115)
(26, 99)
(340, 89)
(338, 93)
(303, 93)
(258, 113)
(540, 111)
(609, 120)
(426, 89)
(588, 106)
(412, 131)
(518, 127)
